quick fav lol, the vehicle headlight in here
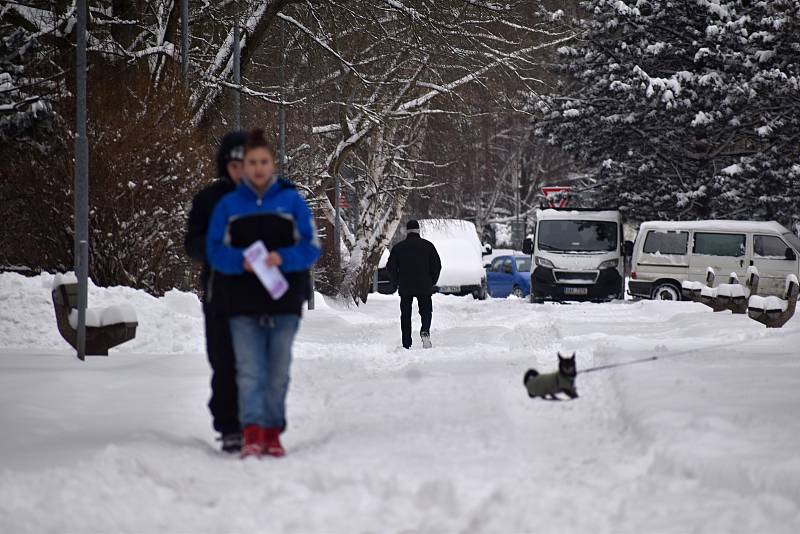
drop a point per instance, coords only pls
(609, 264)
(544, 262)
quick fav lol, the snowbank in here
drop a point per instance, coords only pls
(171, 324)
(387, 440)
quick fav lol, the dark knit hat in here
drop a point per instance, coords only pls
(412, 225)
(231, 148)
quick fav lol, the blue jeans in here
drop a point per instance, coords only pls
(263, 348)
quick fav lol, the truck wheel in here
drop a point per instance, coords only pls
(666, 291)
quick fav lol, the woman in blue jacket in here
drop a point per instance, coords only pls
(268, 208)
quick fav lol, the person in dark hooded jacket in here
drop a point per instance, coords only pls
(414, 267)
(224, 394)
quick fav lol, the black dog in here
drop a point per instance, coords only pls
(548, 386)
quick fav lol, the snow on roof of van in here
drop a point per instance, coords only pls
(716, 226)
(448, 229)
(577, 215)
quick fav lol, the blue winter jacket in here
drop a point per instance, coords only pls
(282, 220)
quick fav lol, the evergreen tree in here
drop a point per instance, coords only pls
(683, 109)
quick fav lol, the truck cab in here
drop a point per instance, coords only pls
(577, 254)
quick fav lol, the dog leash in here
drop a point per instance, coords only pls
(662, 357)
(618, 364)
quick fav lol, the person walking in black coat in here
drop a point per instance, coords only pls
(414, 267)
(224, 405)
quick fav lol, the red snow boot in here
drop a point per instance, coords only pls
(272, 442)
(253, 441)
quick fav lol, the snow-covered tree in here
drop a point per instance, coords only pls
(362, 82)
(388, 67)
(683, 109)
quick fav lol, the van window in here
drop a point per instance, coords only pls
(769, 246)
(711, 244)
(666, 242)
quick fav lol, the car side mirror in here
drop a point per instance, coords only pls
(790, 254)
(487, 249)
(527, 246)
(627, 249)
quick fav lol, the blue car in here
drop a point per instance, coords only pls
(509, 275)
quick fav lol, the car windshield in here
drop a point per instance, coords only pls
(577, 236)
(793, 240)
(523, 265)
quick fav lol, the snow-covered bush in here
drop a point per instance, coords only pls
(683, 109)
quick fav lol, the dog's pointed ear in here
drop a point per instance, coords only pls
(560, 357)
(573, 356)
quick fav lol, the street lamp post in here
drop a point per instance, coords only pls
(81, 200)
(184, 39)
(237, 75)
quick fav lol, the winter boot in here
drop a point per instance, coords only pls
(272, 442)
(426, 340)
(231, 443)
(253, 441)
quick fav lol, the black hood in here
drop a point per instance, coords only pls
(230, 141)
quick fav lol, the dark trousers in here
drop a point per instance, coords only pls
(224, 403)
(425, 312)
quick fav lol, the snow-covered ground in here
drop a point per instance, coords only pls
(385, 440)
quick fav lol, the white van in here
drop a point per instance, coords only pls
(461, 253)
(667, 253)
(578, 254)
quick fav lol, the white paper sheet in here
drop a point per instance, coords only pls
(270, 277)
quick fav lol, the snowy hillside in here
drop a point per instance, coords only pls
(385, 440)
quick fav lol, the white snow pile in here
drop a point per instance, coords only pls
(386, 440)
(770, 303)
(710, 292)
(692, 285)
(97, 317)
(63, 279)
(731, 290)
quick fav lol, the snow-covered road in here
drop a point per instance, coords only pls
(385, 440)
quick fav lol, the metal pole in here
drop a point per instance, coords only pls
(311, 295)
(237, 78)
(81, 179)
(185, 39)
(519, 233)
(356, 209)
(337, 231)
(282, 107)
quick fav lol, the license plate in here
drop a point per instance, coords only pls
(576, 291)
(449, 289)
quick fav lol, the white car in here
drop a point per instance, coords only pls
(461, 253)
(668, 253)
